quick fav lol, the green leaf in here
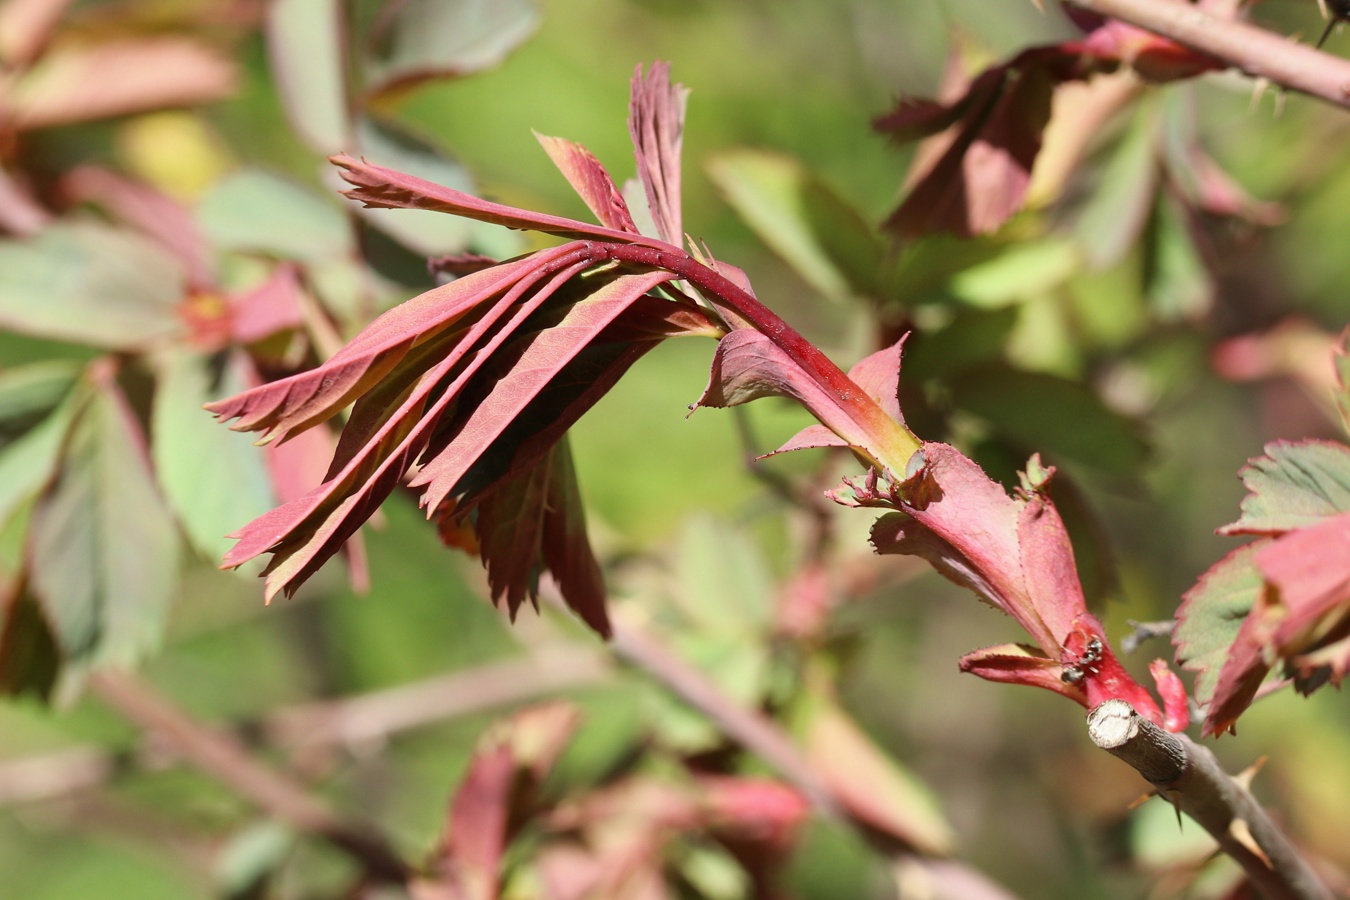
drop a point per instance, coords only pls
(1211, 615)
(1120, 202)
(425, 232)
(1021, 271)
(214, 478)
(103, 550)
(449, 39)
(872, 785)
(1179, 285)
(724, 583)
(30, 391)
(1046, 413)
(803, 220)
(29, 657)
(254, 212)
(91, 284)
(305, 42)
(28, 462)
(1295, 485)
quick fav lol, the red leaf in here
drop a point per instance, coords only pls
(972, 527)
(85, 81)
(981, 177)
(535, 521)
(1055, 594)
(547, 353)
(296, 403)
(306, 532)
(510, 762)
(275, 305)
(656, 124)
(589, 179)
(748, 366)
(378, 187)
(1020, 664)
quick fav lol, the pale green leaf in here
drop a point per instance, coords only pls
(305, 41)
(1294, 485)
(253, 211)
(90, 284)
(103, 549)
(825, 240)
(215, 479)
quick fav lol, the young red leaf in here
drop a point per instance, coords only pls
(965, 524)
(748, 366)
(1021, 664)
(533, 521)
(378, 187)
(301, 401)
(510, 763)
(1294, 485)
(656, 124)
(547, 353)
(981, 177)
(589, 179)
(306, 532)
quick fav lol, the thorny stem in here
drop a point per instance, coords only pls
(1252, 50)
(1190, 778)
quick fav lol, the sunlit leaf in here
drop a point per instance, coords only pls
(449, 38)
(1211, 615)
(90, 284)
(422, 231)
(305, 43)
(1294, 485)
(806, 223)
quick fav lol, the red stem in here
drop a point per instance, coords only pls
(896, 447)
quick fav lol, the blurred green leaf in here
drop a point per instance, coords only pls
(91, 284)
(803, 220)
(252, 211)
(28, 462)
(974, 337)
(305, 42)
(1020, 271)
(927, 265)
(104, 552)
(1117, 208)
(1054, 415)
(448, 39)
(32, 390)
(724, 583)
(214, 478)
(251, 857)
(1179, 285)
(1294, 485)
(871, 784)
(1212, 614)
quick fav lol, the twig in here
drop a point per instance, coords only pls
(225, 758)
(348, 721)
(1247, 48)
(1189, 776)
(753, 731)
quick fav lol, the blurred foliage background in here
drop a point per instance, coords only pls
(699, 547)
